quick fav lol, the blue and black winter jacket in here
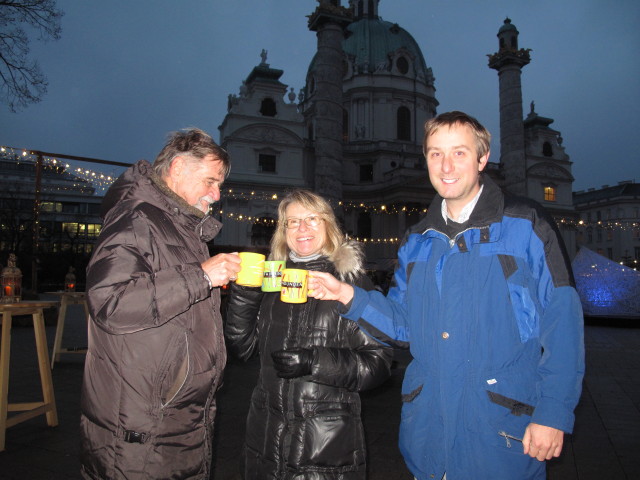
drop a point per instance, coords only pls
(495, 328)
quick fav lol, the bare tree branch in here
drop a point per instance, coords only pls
(21, 79)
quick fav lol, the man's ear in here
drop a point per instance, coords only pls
(176, 167)
(482, 161)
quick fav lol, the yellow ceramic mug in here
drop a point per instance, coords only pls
(251, 269)
(294, 285)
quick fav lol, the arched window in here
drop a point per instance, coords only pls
(402, 65)
(262, 231)
(549, 194)
(547, 150)
(268, 107)
(364, 225)
(403, 123)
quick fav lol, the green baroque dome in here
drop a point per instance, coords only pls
(373, 43)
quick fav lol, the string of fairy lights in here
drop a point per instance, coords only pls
(80, 178)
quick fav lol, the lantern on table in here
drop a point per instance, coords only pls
(11, 280)
(70, 280)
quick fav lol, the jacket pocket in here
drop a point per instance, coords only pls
(176, 373)
(524, 310)
(330, 434)
(498, 408)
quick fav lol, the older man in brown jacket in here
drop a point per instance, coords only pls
(156, 350)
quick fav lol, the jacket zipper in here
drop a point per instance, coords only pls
(507, 436)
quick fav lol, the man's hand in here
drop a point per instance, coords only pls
(293, 363)
(325, 286)
(222, 268)
(542, 443)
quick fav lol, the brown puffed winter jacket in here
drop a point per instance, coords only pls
(156, 349)
(307, 427)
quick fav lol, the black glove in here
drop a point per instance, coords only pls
(293, 363)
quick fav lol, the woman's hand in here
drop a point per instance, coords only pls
(324, 286)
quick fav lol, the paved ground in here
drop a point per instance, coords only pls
(605, 443)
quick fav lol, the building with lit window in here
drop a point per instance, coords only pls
(610, 221)
(67, 220)
(354, 134)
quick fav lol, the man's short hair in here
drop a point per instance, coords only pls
(448, 119)
(191, 143)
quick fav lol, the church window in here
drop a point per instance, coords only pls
(345, 125)
(268, 107)
(266, 163)
(547, 150)
(599, 235)
(402, 65)
(610, 253)
(609, 234)
(262, 231)
(366, 173)
(550, 194)
(403, 118)
(364, 225)
(590, 235)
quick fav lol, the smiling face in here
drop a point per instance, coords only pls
(304, 240)
(197, 182)
(454, 166)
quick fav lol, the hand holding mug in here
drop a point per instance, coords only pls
(221, 268)
(324, 286)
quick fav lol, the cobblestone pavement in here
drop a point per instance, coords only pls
(605, 443)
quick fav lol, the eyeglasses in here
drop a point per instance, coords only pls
(310, 221)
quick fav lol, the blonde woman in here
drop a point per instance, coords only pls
(304, 417)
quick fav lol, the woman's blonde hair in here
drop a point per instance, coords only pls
(314, 203)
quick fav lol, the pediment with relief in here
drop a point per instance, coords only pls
(267, 134)
(551, 171)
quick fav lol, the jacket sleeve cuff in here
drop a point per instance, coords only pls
(552, 413)
(353, 310)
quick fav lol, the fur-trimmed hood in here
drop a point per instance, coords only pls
(349, 261)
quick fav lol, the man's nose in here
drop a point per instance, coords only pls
(214, 192)
(447, 163)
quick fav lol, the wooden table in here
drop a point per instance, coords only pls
(31, 409)
(66, 299)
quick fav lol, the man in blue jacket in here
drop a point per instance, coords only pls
(484, 297)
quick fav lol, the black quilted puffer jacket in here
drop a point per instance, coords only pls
(307, 427)
(156, 346)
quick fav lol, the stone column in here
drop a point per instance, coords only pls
(508, 61)
(328, 21)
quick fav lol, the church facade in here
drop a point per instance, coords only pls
(354, 134)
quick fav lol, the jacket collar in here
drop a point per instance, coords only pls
(140, 184)
(489, 210)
